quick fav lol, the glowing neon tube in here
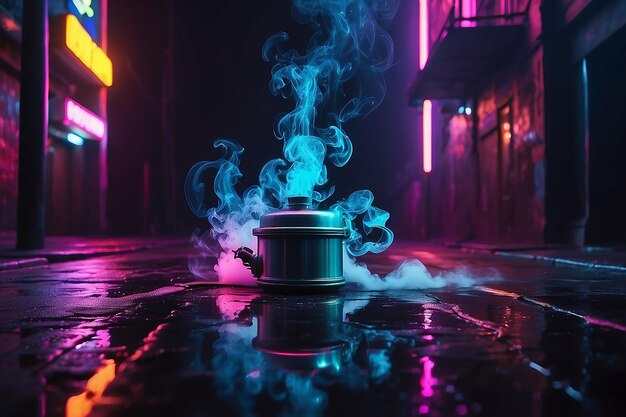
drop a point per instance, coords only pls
(427, 135)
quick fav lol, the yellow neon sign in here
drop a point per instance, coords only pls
(80, 43)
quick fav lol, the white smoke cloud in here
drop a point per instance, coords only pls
(410, 275)
(227, 270)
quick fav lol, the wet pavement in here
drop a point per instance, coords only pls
(136, 335)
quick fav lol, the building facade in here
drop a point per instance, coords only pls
(79, 74)
(520, 109)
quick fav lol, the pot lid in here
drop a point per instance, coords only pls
(298, 213)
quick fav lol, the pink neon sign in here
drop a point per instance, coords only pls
(427, 120)
(81, 118)
(427, 132)
(423, 33)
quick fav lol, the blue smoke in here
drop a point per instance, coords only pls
(347, 49)
(233, 211)
(360, 203)
(338, 79)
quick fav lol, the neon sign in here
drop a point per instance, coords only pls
(81, 118)
(83, 7)
(423, 33)
(74, 139)
(78, 40)
(427, 117)
(427, 133)
(88, 14)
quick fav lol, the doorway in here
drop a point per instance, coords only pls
(607, 142)
(71, 188)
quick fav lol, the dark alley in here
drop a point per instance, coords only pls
(311, 208)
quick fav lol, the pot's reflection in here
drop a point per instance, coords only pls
(276, 347)
(300, 333)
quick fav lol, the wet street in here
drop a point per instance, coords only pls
(136, 334)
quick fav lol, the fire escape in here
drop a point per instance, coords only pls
(472, 43)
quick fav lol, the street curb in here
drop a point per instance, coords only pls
(61, 255)
(561, 261)
(22, 263)
(492, 248)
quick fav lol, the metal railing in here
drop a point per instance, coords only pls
(481, 16)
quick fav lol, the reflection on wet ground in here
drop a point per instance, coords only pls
(129, 336)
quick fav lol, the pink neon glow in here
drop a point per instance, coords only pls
(231, 305)
(78, 116)
(427, 108)
(427, 136)
(605, 323)
(423, 32)
(428, 314)
(468, 9)
(295, 354)
(102, 99)
(427, 381)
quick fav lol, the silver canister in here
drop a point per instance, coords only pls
(299, 249)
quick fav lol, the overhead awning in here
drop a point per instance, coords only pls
(463, 56)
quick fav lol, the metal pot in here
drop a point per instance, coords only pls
(299, 249)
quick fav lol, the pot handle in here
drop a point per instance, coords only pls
(249, 260)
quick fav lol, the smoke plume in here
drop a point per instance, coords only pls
(338, 78)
